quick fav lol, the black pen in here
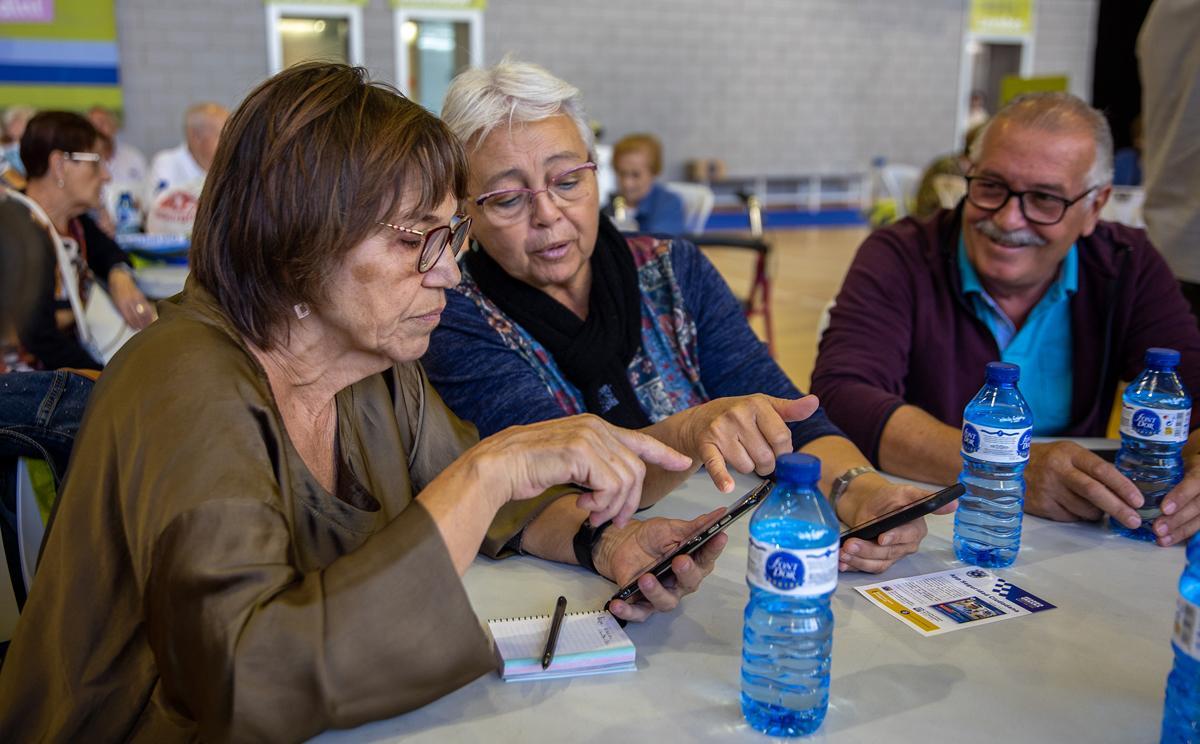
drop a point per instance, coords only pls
(555, 625)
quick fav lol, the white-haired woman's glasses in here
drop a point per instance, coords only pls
(512, 205)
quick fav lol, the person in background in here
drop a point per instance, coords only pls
(1127, 162)
(126, 164)
(23, 251)
(61, 152)
(1169, 62)
(1025, 272)
(39, 411)
(943, 184)
(269, 509)
(977, 112)
(637, 159)
(558, 313)
(188, 163)
(12, 126)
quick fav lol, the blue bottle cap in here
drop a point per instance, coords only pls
(797, 467)
(1001, 373)
(1160, 357)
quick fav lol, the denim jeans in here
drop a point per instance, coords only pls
(40, 414)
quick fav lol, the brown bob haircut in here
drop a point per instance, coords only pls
(306, 167)
(54, 130)
(647, 143)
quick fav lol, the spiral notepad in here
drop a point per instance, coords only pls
(588, 643)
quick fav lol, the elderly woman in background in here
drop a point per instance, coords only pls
(558, 314)
(66, 172)
(269, 508)
(637, 159)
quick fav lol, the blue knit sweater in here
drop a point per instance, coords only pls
(696, 346)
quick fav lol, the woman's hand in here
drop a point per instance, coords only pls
(746, 432)
(131, 303)
(585, 450)
(623, 553)
(868, 497)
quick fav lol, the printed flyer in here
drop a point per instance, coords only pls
(940, 602)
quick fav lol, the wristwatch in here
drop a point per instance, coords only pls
(585, 543)
(842, 482)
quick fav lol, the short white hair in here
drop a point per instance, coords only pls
(512, 92)
(1058, 113)
(201, 117)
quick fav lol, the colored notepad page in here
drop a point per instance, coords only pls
(588, 643)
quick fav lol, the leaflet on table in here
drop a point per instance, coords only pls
(940, 602)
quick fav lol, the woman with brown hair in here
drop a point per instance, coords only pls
(66, 172)
(269, 508)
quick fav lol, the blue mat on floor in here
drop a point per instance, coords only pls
(774, 220)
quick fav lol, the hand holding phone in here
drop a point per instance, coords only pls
(904, 514)
(661, 567)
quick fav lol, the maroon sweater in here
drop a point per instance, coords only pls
(903, 332)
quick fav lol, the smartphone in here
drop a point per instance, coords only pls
(661, 567)
(904, 514)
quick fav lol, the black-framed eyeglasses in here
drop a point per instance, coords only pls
(1037, 207)
(510, 205)
(434, 241)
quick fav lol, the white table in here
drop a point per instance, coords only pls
(1092, 670)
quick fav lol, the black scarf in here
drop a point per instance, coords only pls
(593, 354)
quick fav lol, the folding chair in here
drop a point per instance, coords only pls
(697, 204)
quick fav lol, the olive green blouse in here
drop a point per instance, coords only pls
(197, 581)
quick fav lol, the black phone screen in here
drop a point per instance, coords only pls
(661, 567)
(904, 514)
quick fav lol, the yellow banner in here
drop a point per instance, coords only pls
(1012, 86)
(1002, 17)
(68, 97)
(903, 612)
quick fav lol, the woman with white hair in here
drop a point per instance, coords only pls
(558, 313)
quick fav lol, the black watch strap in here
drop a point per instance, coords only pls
(585, 543)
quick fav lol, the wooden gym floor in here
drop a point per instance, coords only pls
(806, 269)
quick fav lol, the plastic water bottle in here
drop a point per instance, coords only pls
(128, 220)
(1181, 714)
(788, 634)
(996, 432)
(1155, 412)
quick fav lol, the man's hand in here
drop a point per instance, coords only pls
(1065, 482)
(1181, 507)
(868, 497)
(623, 553)
(746, 433)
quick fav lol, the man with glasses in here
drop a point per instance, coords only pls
(1023, 271)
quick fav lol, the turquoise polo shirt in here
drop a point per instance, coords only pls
(1042, 346)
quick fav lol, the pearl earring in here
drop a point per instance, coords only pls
(301, 310)
(61, 183)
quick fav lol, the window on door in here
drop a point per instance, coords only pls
(308, 32)
(432, 47)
